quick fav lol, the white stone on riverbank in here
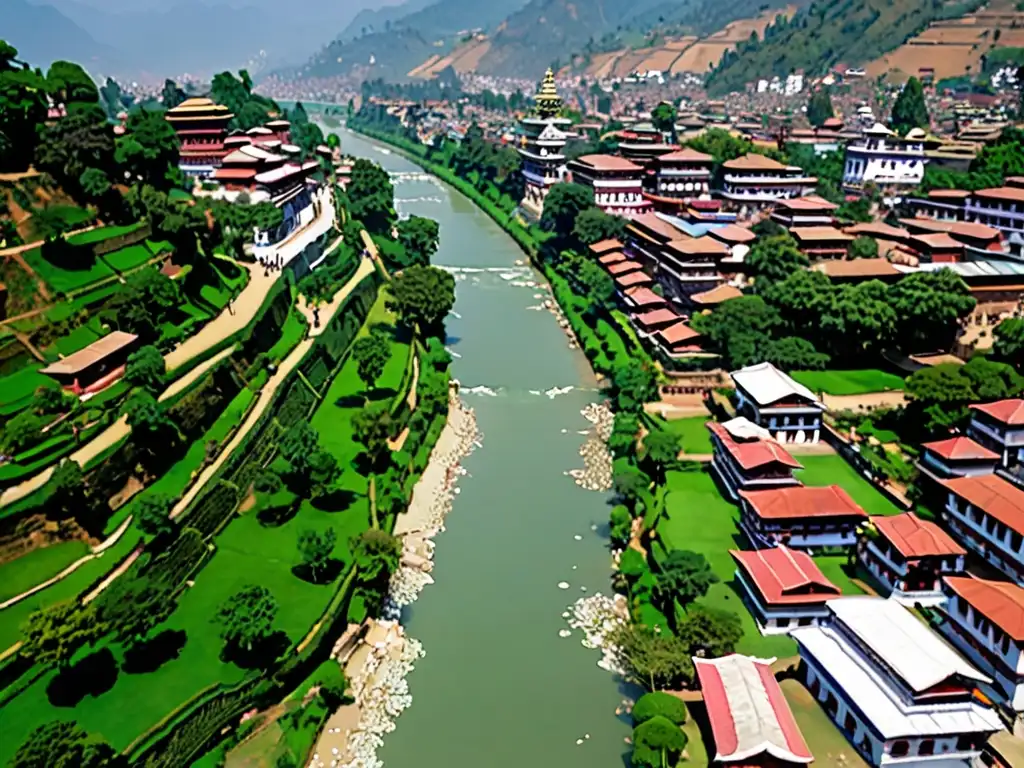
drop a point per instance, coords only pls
(598, 616)
(596, 474)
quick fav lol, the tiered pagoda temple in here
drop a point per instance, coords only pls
(542, 137)
(201, 126)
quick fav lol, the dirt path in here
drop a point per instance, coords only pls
(865, 402)
(238, 314)
(371, 248)
(327, 310)
(195, 374)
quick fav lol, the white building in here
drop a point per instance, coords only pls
(999, 426)
(986, 514)
(775, 401)
(898, 692)
(884, 158)
(986, 623)
(757, 180)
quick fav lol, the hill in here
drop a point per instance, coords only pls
(42, 34)
(368, 21)
(852, 32)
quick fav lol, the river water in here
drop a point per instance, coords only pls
(498, 687)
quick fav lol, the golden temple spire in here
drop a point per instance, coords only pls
(549, 103)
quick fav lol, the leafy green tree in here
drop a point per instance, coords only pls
(70, 146)
(247, 618)
(68, 488)
(721, 145)
(317, 286)
(311, 470)
(793, 353)
(593, 225)
(620, 525)
(597, 285)
(372, 428)
(634, 384)
(54, 633)
(134, 607)
(50, 399)
(372, 197)
(377, 555)
(171, 96)
(772, 259)
(622, 441)
(316, 548)
(664, 118)
(23, 430)
(148, 150)
(910, 110)
(23, 107)
(710, 632)
(661, 449)
(146, 368)
(657, 743)
(65, 744)
(739, 329)
(563, 203)
(153, 515)
(147, 419)
(659, 704)
(419, 237)
(929, 307)
(684, 577)
(819, 107)
(422, 297)
(631, 485)
(653, 660)
(1008, 343)
(371, 354)
(863, 248)
(68, 84)
(94, 183)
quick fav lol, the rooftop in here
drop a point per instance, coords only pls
(690, 246)
(623, 267)
(608, 163)
(686, 155)
(766, 384)
(651, 222)
(754, 162)
(1012, 194)
(751, 452)
(878, 229)
(852, 268)
(960, 448)
(802, 501)
(913, 537)
(678, 333)
(805, 235)
(808, 203)
(716, 295)
(612, 258)
(733, 234)
(604, 246)
(1001, 602)
(643, 296)
(1009, 412)
(94, 353)
(630, 279)
(656, 317)
(748, 712)
(783, 575)
(996, 497)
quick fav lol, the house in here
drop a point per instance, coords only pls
(689, 265)
(750, 718)
(801, 516)
(884, 158)
(773, 400)
(94, 367)
(895, 689)
(604, 247)
(822, 242)
(857, 270)
(642, 298)
(617, 183)
(678, 177)
(956, 457)
(985, 621)
(999, 426)
(810, 211)
(715, 296)
(986, 514)
(647, 323)
(784, 588)
(747, 458)
(758, 180)
(679, 340)
(910, 556)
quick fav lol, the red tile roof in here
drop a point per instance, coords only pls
(1002, 193)
(608, 163)
(808, 203)
(1010, 412)
(1001, 602)
(612, 258)
(960, 449)
(975, 230)
(633, 278)
(677, 334)
(656, 317)
(624, 267)
(732, 233)
(687, 155)
(878, 229)
(748, 712)
(819, 234)
(650, 222)
(754, 162)
(752, 454)
(936, 241)
(692, 246)
(785, 576)
(604, 246)
(913, 537)
(926, 224)
(643, 296)
(716, 295)
(802, 502)
(992, 495)
(865, 268)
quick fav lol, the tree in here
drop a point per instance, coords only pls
(819, 107)
(657, 743)
(148, 149)
(792, 353)
(310, 468)
(147, 418)
(661, 448)
(316, 548)
(631, 485)
(171, 96)
(684, 577)
(22, 431)
(67, 488)
(740, 329)
(929, 307)
(153, 515)
(659, 704)
(70, 146)
(563, 203)
(317, 286)
(773, 259)
(23, 107)
(419, 237)
(710, 632)
(634, 384)
(422, 297)
(377, 555)
(94, 183)
(593, 225)
(64, 744)
(622, 441)
(372, 428)
(1009, 341)
(54, 633)
(664, 118)
(371, 197)
(620, 525)
(134, 607)
(597, 285)
(371, 354)
(651, 659)
(910, 110)
(247, 618)
(145, 368)
(863, 248)
(68, 84)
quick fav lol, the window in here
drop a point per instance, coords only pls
(849, 723)
(965, 743)
(899, 748)
(927, 747)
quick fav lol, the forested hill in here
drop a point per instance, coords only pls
(851, 32)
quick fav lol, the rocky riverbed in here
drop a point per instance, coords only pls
(596, 474)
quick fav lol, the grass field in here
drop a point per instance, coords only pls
(17, 390)
(128, 257)
(825, 740)
(102, 233)
(80, 338)
(37, 566)
(693, 433)
(66, 280)
(858, 382)
(291, 334)
(832, 469)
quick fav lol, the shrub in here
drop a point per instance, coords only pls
(659, 704)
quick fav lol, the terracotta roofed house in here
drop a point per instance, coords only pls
(985, 621)
(96, 366)
(801, 516)
(775, 401)
(642, 297)
(910, 556)
(715, 296)
(747, 458)
(679, 340)
(809, 211)
(855, 270)
(655, 320)
(822, 242)
(899, 693)
(750, 718)
(758, 180)
(784, 587)
(956, 457)
(1000, 427)
(617, 183)
(602, 247)
(678, 177)
(986, 514)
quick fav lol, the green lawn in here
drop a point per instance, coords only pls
(37, 566)
(856, 382)
(17, 390)
(693, 433)
(128, 257)
(80, 338)
(102, 233)
(698, 518)
(832, 469)
(835, 569)
(826, 742)
(66, 280)
(291, 334)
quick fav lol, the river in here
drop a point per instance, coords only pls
(498, 687)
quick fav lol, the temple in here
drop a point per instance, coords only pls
(201, 126)
(542, 137)
(96, 366)
(616, 181)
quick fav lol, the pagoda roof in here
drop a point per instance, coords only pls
(284, 172)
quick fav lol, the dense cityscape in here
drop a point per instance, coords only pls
(646, 390)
